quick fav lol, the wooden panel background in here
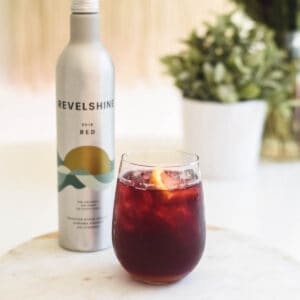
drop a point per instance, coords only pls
(137, 33)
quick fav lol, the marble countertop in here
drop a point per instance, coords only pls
(241, 268)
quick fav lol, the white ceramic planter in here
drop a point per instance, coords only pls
(227, 137)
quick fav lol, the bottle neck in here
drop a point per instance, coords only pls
(85, 28)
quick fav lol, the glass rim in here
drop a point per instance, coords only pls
(195, 161)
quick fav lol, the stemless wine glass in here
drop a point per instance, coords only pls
(158, 224)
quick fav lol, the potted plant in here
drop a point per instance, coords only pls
(227, 76)
(282, 16)
(282, 134)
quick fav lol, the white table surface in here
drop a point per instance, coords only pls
(266, 206)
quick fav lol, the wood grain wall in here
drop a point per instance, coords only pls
(136, 32)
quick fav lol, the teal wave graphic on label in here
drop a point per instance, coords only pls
(80, 179)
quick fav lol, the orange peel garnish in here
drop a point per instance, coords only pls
(160, 179)
(156, 179)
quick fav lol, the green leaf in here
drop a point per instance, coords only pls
(227, 93)
(250, 91)
(220, 72)
(208, 72)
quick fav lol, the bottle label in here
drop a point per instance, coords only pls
(85, 166)
(88, 165)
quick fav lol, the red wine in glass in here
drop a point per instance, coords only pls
(159, 224)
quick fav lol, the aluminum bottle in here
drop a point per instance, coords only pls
(85, 134)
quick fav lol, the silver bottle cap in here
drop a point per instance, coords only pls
(85, 6)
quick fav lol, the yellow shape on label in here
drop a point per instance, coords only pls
(92, 159)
